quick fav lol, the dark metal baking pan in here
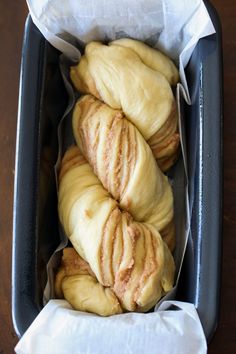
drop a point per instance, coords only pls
(42, 101)
(200, 277)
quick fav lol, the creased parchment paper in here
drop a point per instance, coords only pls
(175, 28)
(131, 333)
(170, 25)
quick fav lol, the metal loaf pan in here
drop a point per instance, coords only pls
(42, 101)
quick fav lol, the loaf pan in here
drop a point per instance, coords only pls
(42, 102)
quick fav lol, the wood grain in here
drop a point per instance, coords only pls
(224, 340)
(12, 18)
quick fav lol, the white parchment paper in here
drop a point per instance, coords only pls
(170, 25)
(174, 27)
(60, 330)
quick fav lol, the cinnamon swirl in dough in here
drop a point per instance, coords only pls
(122, 160)
(131, 76)
(127, 256)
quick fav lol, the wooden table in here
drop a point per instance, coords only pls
(12, 18)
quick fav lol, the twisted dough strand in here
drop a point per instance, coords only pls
(131, 76)
(123, 162)
(76, 277)
(127, 256)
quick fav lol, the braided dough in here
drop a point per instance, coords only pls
(131, 76)
(115, 203)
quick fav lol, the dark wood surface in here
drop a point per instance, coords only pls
(12, 18)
